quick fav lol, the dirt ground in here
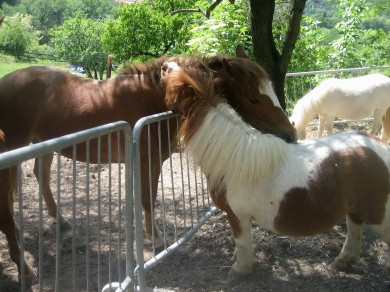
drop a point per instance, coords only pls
(202, 264)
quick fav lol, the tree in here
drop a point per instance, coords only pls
(78, 41)
(344, 54)
(50, 14)
(275, 61)
(227, 25)
(146, 30)
(18, 35)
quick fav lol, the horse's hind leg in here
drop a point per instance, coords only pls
(47, 193)
(351, 248)
(8, 225)
(378, 114)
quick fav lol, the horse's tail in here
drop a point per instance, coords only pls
(385, 133)
(8, 176)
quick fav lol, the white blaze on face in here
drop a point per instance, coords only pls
(268, 90)
(167, 68)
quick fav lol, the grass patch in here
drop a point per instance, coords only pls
(8, 64)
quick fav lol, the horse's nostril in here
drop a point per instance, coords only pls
(291, 138)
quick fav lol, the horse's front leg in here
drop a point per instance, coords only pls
(351, 248)
(46, 190)
(244, 251)
(149, 186)
(329, 125)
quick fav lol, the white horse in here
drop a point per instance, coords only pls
(293, 189)
(354, 99)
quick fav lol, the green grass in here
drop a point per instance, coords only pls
(8, 64)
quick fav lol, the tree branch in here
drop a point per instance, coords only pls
(206, 13)
(154, 55)
(212, 7)
(188, 10)
(292, 34)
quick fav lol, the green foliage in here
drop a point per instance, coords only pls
(50, 14)
(78, 41)
(17, 35)
(145, 31)
(228, 26)
(344, 54)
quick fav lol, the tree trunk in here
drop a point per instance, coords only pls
(264, 48)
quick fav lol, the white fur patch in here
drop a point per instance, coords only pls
(227, 148)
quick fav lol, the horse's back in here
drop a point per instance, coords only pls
(42, 102)
(352, 98)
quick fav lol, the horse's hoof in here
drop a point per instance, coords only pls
(30, 279)
(65, 226)
(159, 243)
(233, 274)
(339, 265)
(234, 257)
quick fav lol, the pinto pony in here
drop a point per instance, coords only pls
(354, 98)
(292, 189)
(40, 103)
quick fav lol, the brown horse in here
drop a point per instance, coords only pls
(40, 103)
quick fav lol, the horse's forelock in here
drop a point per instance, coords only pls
(187, 84)
(191, 93)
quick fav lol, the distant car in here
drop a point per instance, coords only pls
(77, 69)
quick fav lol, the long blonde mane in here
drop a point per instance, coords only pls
(227, 149)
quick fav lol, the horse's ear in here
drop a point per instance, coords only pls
(240, 52)
(226, 65)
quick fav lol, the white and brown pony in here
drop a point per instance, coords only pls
(292, 189)
(353, 99)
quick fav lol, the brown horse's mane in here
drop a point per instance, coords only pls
(248, 70)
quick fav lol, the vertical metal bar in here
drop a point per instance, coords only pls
(172, 178)
(58, 227)
(87, 222)
(21, 227)
(109, 208)
(119, 159)
(40, 232)
(99, 212)
(152, 215)
(129, 208)
(182, 180)
(196, 189)
(74, 172)
(189, 189)
(162, 183)
(138, 212)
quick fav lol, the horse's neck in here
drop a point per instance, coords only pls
(143, 88)
(307, 110)
(227, 149)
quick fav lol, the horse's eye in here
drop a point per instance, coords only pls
(254, 100)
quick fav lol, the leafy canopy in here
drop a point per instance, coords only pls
(78, 41)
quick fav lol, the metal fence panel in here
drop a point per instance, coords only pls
(95, 198)
(183, 204)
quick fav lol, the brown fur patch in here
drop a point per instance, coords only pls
(354, 182)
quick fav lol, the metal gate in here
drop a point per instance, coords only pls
(95, 198)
